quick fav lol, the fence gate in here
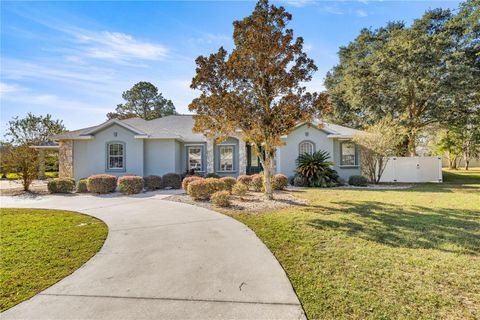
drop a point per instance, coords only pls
(413, 169)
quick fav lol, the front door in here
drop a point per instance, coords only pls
(253, 162)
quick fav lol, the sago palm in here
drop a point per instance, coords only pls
(315, 167)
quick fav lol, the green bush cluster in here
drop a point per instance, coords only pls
(61, 185)
(244, 179)
(221, 198)
(256, 184)
(152, 182)
(172, 181)
(102, 183)
(82, 185)
(229, 182)
(202, 189)
(279, 181)
(130, 184)
(186, 181)
(358, 180)
(239, 189)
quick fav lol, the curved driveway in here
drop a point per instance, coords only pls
(163, 260)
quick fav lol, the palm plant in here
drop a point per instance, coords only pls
(316, 169)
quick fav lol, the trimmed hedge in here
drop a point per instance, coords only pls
(257, 182)
(212, 175)
(186, 181)
(221, 199)
(102, 183)
(61, 185)
(204, 188)
(359, 181)
(244, 179)
(130, 184)
(82, 185)
(239, 189)
(152, 182)
(279, 181)
(172, 181)
(229, 182)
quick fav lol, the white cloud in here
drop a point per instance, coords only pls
(333, 9)
(299, 3)
(118, 47)
(7, 88)
(361, 13)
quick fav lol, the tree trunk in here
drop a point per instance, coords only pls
(267, 176)
(452, 163)
(467, 163)
(412, 144)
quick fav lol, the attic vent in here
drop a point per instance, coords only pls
(306, 134)
(115, 134)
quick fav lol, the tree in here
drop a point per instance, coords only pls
(22, 160)
(33, 130)
(450, 144)
(257, 88)
(378, 142)
(413, 74)
(144, 101)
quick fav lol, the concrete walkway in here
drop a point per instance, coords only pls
(163, 260)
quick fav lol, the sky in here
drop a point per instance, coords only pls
(73, 60)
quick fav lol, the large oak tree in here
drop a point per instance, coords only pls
(258, 87)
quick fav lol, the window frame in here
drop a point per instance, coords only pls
(199, 146)
(303, 142)
(355, 163)
(219, 148)
(123, 156)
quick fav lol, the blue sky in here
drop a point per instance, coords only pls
(74, 59)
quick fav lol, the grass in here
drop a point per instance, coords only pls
(40, 247)
(383, 254)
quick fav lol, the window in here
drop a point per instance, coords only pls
(194, 155)
(116, 156)
(226, 158)
(347, 150)
(306, 147)
(253, 159)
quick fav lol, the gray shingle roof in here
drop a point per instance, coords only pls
(178, 127)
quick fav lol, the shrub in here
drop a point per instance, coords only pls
(212, 175)
(245, 179)
(153, 182)
(221, 198)
(172, 181)
(130, 184)
(280, 181)
(239, 189)
(102, 183)
(299, 181)
(257, 182)
(359, 181)
(189, 179)
(229, 183)
(61, 185)
(316, 169)
(82, 185)
(203, 189)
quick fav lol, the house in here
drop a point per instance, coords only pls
(155, 147)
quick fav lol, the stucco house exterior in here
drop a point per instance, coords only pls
(139, 147)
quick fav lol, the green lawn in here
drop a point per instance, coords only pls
(362, 254)
(40, 247)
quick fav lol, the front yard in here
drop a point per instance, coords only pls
(381, 254)
(40, 247)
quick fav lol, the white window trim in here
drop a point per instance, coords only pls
(233, 146)
(124, 162)
(199, 145)
(306, 141)
(354, 165)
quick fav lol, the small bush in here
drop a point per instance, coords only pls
(299, 181)
(82, 185)
(221, 198)
(203, 189)
(153, 182)
(245, 179)
(189, 179)
(130, 184)
(212, 175)
(239, 189)
(229, 182)
(280, 181)
(256, 183)
(217, 184)
(359, 181)
(102, 183)
(172, 181)
(61, 185)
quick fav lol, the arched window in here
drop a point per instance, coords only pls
(306, 147)
(116, 156)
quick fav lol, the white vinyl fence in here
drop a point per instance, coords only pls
(413, 169)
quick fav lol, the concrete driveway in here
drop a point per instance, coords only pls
(163, 260)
